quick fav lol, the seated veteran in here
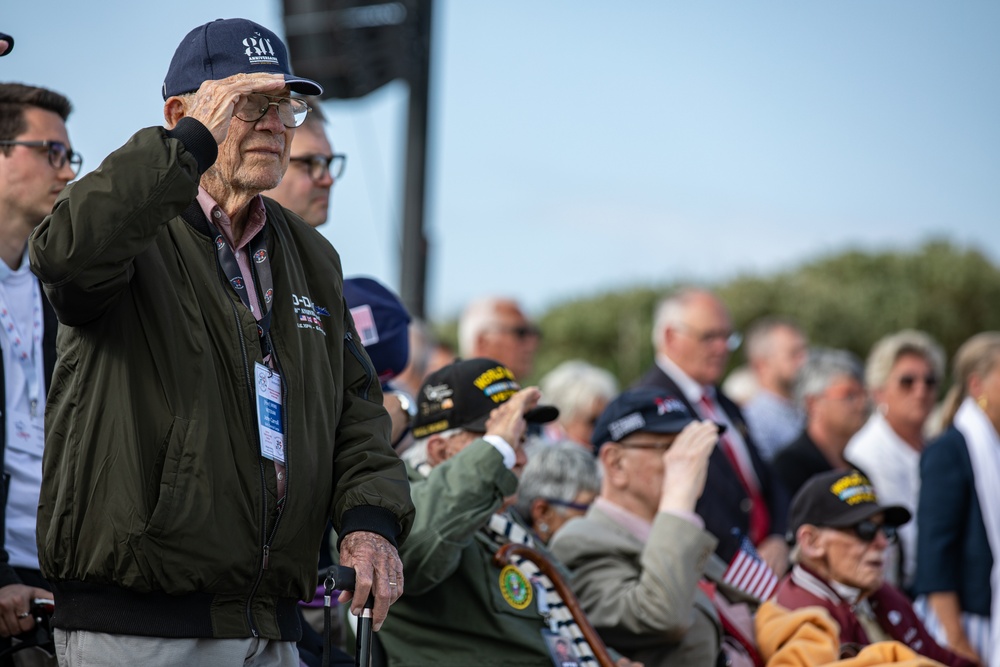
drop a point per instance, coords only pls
(638, 555)
(841, 534)
(558, 483)
(459, 608)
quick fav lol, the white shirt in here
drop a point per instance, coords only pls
(23, 456)
(774, 422)
(893, 466)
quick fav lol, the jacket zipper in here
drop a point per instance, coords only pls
(266, 541)
(369, 371)
(263, 482)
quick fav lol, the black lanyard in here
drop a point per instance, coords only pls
(261, 267)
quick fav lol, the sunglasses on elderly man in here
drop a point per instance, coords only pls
(867, 530)
(59, 153)
(521, 332)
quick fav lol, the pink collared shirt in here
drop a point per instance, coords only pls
(639, 527)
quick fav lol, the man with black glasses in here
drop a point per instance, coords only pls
(313, 168)
(212, 406)
(36, 163)
(840, 534)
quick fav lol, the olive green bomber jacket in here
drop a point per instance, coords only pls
(158, 516)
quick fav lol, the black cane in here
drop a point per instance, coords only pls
(343, 578)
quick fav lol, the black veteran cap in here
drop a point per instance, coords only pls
(462, 395)
(645, 409)
(838, 499)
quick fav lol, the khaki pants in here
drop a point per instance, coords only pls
(78, 648)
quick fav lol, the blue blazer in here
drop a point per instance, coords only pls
(724, 505)
(953, 552)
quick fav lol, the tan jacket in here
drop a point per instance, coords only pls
(643, 599)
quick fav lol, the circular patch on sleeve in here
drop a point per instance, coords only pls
(514, 587)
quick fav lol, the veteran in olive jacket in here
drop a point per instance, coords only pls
(460, 608)
(211, 407)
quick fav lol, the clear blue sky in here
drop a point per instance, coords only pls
(578, 147)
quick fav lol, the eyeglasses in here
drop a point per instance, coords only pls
(907, 382)
(733, 339)
(867, 530)
(318, 165)
(581, 507)
(291, 111)
(59, 153)
(521, 332)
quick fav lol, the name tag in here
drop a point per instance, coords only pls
(272, 438)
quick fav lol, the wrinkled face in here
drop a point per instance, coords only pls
(910, 391)
(297, 191)
(512, 340)
(842, 409)
(29, 184)
(700, 345)
(254, 155)
(643, 467)
(851, 561)
(788, 353)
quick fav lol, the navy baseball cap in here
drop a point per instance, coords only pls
(645, 409)
(382, 323)
(226, 47)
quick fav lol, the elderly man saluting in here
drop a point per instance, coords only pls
(211, 406)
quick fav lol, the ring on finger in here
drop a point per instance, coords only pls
(25, 614)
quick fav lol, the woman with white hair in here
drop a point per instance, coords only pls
(958, 544)
(581, 391)
(902, 373)
(557, 484)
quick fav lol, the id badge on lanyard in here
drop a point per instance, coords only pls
(268, 388)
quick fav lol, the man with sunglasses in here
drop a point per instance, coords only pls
(840, 534)
(213, 405)
(36, 163)
(497, 328)
(313, 168)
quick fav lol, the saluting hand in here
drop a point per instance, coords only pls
(216, 100)
(507, 419)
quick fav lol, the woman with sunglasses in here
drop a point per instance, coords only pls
(841, 533)
(902, 374)
(959, 521)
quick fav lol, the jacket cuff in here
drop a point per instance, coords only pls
(198, 141)
(370, 519)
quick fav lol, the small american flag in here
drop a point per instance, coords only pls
(749, 573)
